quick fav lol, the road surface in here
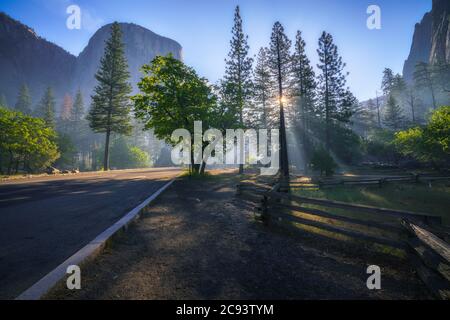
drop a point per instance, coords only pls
(44, 220)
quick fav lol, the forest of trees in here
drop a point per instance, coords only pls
(312, 106)
(74, 134)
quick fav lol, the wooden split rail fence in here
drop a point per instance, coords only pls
(414, 178)
(421, 236)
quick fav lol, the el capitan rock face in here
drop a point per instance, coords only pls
(431, 40)
(420, 47)
(440, 47)
(28, 58)
(141, 46)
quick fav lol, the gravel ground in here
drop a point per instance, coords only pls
(199, 241)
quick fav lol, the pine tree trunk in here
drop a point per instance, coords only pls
(283, 144)
(327, 113)
(284, 162)
(242, 152)
(202, 170)
(10, 162)
(378, 113)
(16, 168)
(106, 156)
(303, 133)
(413, 111)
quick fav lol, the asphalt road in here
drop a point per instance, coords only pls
(44, 220)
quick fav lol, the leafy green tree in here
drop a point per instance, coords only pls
(23, 103)
(380, 145)
(67, 151)
(334, 99)
(429, 144)
(46, 108)
(26, 142)
(173, 96)
(280, 66)
(238, 73)
(110, 110)
(393, 115)
(125, 156)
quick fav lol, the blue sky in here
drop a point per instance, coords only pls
(203, 27)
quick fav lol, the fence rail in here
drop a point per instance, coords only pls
(415, 178)
(420, 235)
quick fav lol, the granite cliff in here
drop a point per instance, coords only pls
(431, 40)
(27, 58)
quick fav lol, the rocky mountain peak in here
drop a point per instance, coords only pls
(26, 58)
(141, 46)
(431, 40)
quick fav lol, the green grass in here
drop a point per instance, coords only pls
(420, 198)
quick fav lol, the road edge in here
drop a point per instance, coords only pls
(93, 248)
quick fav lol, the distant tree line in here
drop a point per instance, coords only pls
(315, 111)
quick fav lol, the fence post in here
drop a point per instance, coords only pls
(417, 177)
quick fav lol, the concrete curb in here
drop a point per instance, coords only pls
(36, 291)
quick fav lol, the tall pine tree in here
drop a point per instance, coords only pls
(304, 86)
(78, 108)
(280, 65)
(387, 81)
(393, 115)
(333, 96)
(46, 109)
(303, 79)
(110, 109)
(363, 118)
(238, 73)
(263, 87)
(78, 127)
(23, 103)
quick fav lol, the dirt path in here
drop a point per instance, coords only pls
(199, 242)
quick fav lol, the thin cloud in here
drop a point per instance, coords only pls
(89, 21)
